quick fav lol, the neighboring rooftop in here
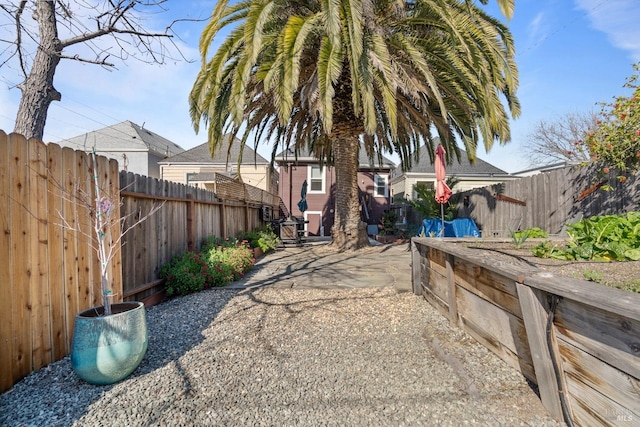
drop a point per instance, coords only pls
(305, 156)
(424, 165)
(202, 154)
(122, 137)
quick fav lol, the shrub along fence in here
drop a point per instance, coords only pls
(547, 200)
(577, 340)
(50, 272)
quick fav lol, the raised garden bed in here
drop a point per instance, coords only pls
(577, 340)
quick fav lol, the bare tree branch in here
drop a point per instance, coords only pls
(38, 45)
(561, 139)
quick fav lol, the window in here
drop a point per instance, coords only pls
(316, 179)
(381, 188)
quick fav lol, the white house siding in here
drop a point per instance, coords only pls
(405, 183)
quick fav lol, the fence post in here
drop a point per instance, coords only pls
(223, 219)
(191, 207)
(416, 276)
(451, 282)
(535, 312)
(246, 216)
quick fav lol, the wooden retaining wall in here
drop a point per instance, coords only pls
(592, 345)
(49, 272)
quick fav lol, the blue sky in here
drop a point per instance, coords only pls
(571, 55)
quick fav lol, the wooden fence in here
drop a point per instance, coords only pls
(577, 340)
(548, 200)
(187, 217)
(49, 272)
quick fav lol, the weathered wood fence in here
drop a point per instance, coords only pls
(49, 272)
(187, 217)
(577, 340)
(548, 200)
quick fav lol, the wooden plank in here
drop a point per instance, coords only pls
(535, 312)
(20, 267)
(85, 195)
(451, 293)
(436, 301)
(592, 408)
(138, 236)
(415, 270)
(588, 371)
(128, 248)
(6, 289)
(39, 274)
(438, 284)
(113, 183)
(499, 327)
(489, 285)
(607, 336)
(70, 241)
(495, 346)
(55, 179)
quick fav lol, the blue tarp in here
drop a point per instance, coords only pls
(460, 227)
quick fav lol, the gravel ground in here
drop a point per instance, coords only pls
(275, 357)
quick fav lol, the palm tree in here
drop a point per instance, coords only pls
(331, 74)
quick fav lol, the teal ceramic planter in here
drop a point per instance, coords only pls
(106, 349)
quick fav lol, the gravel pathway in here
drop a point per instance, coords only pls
(290, 357)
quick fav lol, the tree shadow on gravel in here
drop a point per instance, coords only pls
(56, 396)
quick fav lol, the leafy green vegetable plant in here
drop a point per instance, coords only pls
(518, 238)
(599, 238)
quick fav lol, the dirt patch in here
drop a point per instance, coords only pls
(624, 275)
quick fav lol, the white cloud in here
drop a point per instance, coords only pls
(537, 29)
(618, 19)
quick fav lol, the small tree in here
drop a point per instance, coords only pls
(82, 23)
(615, 143)
(426, 204)
(108, 226)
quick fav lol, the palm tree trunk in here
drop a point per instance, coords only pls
(348, 232)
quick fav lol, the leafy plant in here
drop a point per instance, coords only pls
(388, 221)
(262, 237)
(234, 261)
(219, 262)
(593, 275)
(546, 249)
(426, 204)
(185, 274)
(615, 143)
(599, 238)
(534, 233)
(519, 237)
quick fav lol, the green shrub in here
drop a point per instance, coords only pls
(185, 274)
(262, 237)
(231, 263)
(220, 262)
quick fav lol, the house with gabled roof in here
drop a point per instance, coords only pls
(197, 167)
(469, 176)
(136, 148)
(373, 180)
